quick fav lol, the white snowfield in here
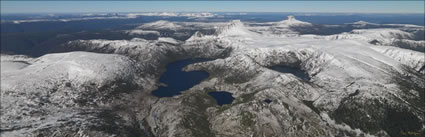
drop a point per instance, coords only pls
(354, 86)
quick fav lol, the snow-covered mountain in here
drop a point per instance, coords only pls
(291, 22)
(234, 28)
(360, 83)
(162, 24)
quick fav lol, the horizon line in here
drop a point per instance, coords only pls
(69, 12)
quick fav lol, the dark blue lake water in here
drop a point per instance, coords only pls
(178, 80)
(296, 71)
(268, 101)
(222, 97)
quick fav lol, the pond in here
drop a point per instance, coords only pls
(268, 101)
(222, 97)
(176, 80)
(295, 71)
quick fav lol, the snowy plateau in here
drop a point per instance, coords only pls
(367, 81)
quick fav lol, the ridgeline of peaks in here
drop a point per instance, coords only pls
(237, 28)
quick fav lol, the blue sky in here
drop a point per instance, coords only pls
(213, 6)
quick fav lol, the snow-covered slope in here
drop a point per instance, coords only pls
(355, 87)
(11, 63)
(413, 59)
(343, 68)
(150, 54)
(56, 89)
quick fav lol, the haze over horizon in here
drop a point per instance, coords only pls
(403, 7)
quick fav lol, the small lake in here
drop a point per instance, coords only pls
(222, 97)
(177, 80)
(268, 101)
(295, 71)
